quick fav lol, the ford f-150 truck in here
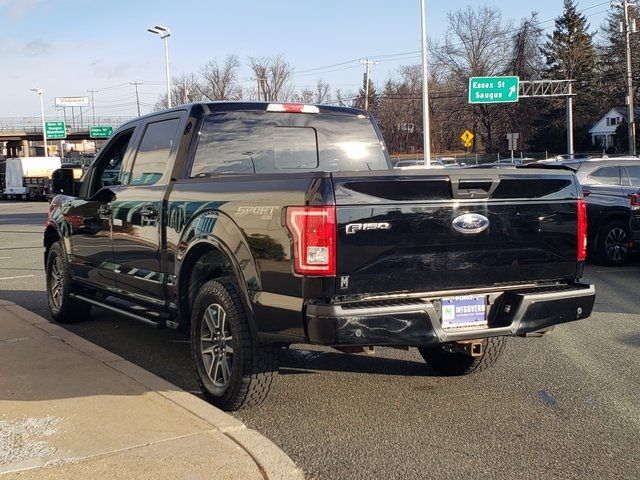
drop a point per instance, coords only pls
(255, 226)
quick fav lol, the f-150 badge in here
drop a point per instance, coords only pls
(353, 228)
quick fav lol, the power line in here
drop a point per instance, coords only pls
(389, 56)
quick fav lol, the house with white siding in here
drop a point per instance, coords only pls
(603, 133)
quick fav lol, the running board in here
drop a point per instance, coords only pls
(118, 310)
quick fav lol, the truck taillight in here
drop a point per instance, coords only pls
(582, 230)
(314, 240)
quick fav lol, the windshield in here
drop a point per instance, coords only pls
(265, 142)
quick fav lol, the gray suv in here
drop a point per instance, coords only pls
(611, 188)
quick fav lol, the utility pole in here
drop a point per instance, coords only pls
(93, 104)
(627, 27)
(426, 128)
(367, 64)
(135, 84)
(185, 92)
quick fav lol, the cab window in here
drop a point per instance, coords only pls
(153, 157)
(109, 166)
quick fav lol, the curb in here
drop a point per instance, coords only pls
(272, 462)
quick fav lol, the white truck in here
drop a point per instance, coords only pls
(29, 177)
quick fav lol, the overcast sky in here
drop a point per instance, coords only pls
(68, 47)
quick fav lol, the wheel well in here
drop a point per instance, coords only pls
(614, 217)
(203, 263)
(50, 237)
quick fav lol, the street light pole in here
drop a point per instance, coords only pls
(164, 33)
(425, 88)
(40, 93)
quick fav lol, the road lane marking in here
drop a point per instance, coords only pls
(16, 277)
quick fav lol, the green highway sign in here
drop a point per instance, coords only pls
(493, 89)
(55, 130)
(100, 131)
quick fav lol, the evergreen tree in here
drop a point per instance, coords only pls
(570, 55)
(612, 61)
(359, 101)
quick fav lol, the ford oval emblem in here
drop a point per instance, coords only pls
(471, 223)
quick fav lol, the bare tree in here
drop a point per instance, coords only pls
(273, 75)
(322, 94)
(220, 80)
(476, 44)
(184, 89)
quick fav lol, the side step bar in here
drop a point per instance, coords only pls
(118, 310)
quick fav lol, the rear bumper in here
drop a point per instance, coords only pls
(417, 322)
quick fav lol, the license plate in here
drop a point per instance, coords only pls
(464, 312)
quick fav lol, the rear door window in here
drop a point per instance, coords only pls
(606, 175)
(634, 175)
(154, 154)
(259, 142)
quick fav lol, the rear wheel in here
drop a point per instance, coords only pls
(612, 246)
(450, 363)
(234, 370)
(63, 308)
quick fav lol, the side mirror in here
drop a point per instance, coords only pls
(63, 181)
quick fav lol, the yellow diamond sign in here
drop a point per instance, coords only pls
(467, 137)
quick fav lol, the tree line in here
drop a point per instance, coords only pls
(478, 42)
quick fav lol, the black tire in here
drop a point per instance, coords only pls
(63, 309)
(251, 367)
(457, 364)
(612, 244)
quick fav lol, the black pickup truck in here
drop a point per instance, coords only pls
(255, 226)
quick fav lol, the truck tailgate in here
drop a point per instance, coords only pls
(441, 231)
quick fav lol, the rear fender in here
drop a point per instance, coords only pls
(217, 230)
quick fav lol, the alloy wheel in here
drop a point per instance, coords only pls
(615, 244)
(56, 282)
(215, 345)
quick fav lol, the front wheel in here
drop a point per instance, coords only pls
(234, 370)
(450, 363)
(62, 307)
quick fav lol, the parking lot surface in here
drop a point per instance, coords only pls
(563, 406)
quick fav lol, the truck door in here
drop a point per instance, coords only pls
(89, 216)
(138, 212)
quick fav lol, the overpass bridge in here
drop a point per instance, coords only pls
(20, 134)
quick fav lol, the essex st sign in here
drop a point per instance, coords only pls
(100, 131)
(493, 89)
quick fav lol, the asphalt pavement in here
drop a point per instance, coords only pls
(563, 406)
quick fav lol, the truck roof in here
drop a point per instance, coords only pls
(237, 106)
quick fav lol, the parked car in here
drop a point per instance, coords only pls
(610, 187)
(254, 226)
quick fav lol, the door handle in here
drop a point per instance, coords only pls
(104, 212)
(150, 212)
